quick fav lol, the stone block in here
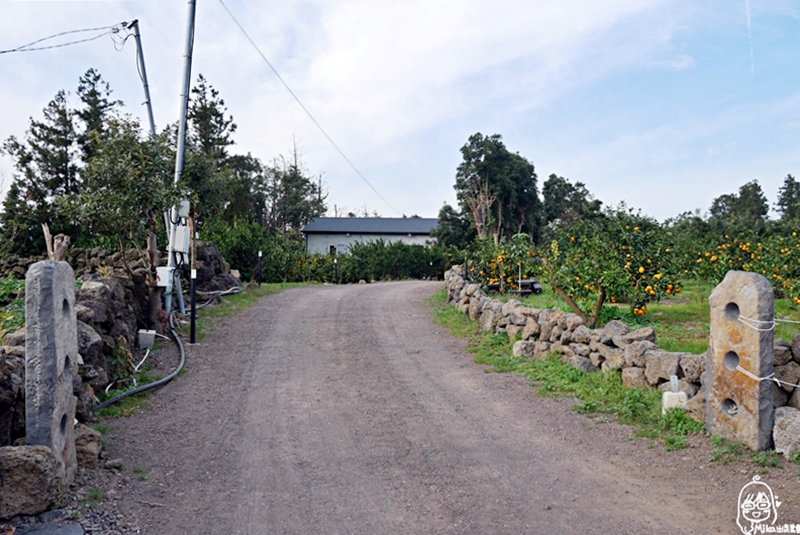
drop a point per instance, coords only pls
(634, 353)
(582, 363)
(660, 365)
(88, 445)
(789, 374)
(670, 400)
(573, 321)
(488, 320)
(613, 328)
(787, 430)
(739, 405)
(555, 334)
(510, 305)
(582, 334)
(645, 334)
(783, 352)
(32, 481)
(512, 331)
(693, 367)
(51, 361)
(696, 407)
(524, 348)
(634, 378)
(531, 330)
(580, 349)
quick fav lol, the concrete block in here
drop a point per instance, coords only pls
(673, 399)
(739, 406)
(51, 360)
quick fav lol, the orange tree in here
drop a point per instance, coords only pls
(777, 257)
(618, 256)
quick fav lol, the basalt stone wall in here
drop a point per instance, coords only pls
(617, 347)
(213, 273)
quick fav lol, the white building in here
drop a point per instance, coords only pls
(332, 234)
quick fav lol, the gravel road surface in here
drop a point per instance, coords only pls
(346, 410)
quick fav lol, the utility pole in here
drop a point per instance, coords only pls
(143, 73)
(180, 154)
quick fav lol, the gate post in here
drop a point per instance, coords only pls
(740, 351)
(51, 360)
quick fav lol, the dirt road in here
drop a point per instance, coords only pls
(345, 409)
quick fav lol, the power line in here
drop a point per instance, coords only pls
(297, 99)
(26, 48)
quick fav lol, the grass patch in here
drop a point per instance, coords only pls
(141, 473)
(598, 393)
(124, 407)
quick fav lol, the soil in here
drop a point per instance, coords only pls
(345, 409)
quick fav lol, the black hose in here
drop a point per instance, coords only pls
(154, 384)
(169, 377)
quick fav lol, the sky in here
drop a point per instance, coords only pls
(662, 104)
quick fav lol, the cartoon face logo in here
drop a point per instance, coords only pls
(757, 505)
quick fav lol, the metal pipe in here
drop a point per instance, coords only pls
(143, 74)
(180, 152)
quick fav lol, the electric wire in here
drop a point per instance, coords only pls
(310, 116)
(112, 30)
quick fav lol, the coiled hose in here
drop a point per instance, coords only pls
(169, 377)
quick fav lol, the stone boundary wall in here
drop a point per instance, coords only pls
(617, 347)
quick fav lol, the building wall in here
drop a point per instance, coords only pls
(320, 243)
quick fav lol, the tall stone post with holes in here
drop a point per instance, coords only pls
(51, 360)
(740, 351)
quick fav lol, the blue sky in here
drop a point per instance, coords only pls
(656, 103)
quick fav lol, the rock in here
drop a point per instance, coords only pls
(517, 318)
(619, 341)
(16, 339)
(645, 334)
(113, 464)
(581, 334)
(474, 309)
(86, 401)
(530, 312)
(531, 330)
(582, 363)
(90, 344)
(796, 347)
(596, 358)
(472, 288)
(783, 352)
(634, 378)
(581, 349)
(16, 351)
(693, 367)
(555, 334)
(524, 348)
(88, 445)
(512, 331)
(545, 330)
(31, 481)
(696, 406)
(566, 337)
(781, 397)
(660, 364)
(792, 400)
(541, 349)
(634, 352)
(573, 321)
(614, 360)
(613, 328)
(510, 305)
(786, 430)
(789, 373)
(488, 320)
(604, 350)
(552, 315)
(690, 389)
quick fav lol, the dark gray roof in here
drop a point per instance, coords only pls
(370, 225)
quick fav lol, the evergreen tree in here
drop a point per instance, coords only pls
(789, 199)
(97, 108)
(46, 170)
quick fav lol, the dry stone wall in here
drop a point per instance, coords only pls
(617, 347)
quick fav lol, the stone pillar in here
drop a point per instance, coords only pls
(738, 406)
(51, 360)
